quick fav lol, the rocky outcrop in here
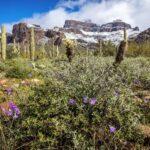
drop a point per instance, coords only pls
(52, 33)
(86, 26)
(136, 29)
(143, 36)
(114, 26)
(9, 38)
(21, 32)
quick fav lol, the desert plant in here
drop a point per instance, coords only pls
(14, 46)
(122, 49)
(57, 43)
(69, 44)
(107, 49)
(3, 42)
(20, 69)
(32, 44)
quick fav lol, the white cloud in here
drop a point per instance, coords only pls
(135, 12)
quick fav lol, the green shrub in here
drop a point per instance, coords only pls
(139, 49)
(20, 69)
(108, 49)
(50, 120)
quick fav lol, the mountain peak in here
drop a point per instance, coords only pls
(115, 25)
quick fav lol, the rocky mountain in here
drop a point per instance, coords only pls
(83, 32)
(21, 34)
(116, 25)
(143, 36)
(91, 33)
(78, 25)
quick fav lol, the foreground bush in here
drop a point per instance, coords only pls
(21, 69)
(86, 104)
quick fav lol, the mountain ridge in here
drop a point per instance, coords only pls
(87, 32)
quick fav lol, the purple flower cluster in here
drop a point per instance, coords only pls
(13, 111)
(9, 91)
(91, 101)
(85, 100)
(112, 129)
(72, 102)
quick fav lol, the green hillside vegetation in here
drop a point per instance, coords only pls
(74, 99)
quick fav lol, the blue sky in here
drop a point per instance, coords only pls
(14, 10)
(51, 13)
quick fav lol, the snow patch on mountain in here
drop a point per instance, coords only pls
(74, 36)
(92, 37)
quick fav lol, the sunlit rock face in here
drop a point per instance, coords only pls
(143, 36)
(21, 32)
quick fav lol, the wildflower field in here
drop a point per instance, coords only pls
(88, 104)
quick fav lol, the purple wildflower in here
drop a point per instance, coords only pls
(14, 108)
(136, 81)
(9, 91)
(85, 100)
(112, 129)
(117, 93)
(7, 112)
(72, 102)
(93, 101)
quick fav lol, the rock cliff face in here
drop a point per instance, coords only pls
(91, 27)
(52, 34)
(21, 32)
(86, 26)
(143, 36)
(114, 26)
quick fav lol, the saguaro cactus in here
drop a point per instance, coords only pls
(32, 45)
(14, 46)
(126, 39)
(43, 50)
(122, 49)
(27, 50)
(3, 42)
(100, 47)
(57, 43)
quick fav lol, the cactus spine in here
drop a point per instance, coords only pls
(32, 45)
(3, 42)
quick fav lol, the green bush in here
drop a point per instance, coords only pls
(139, 49)
(49, 119)
(20, 69)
